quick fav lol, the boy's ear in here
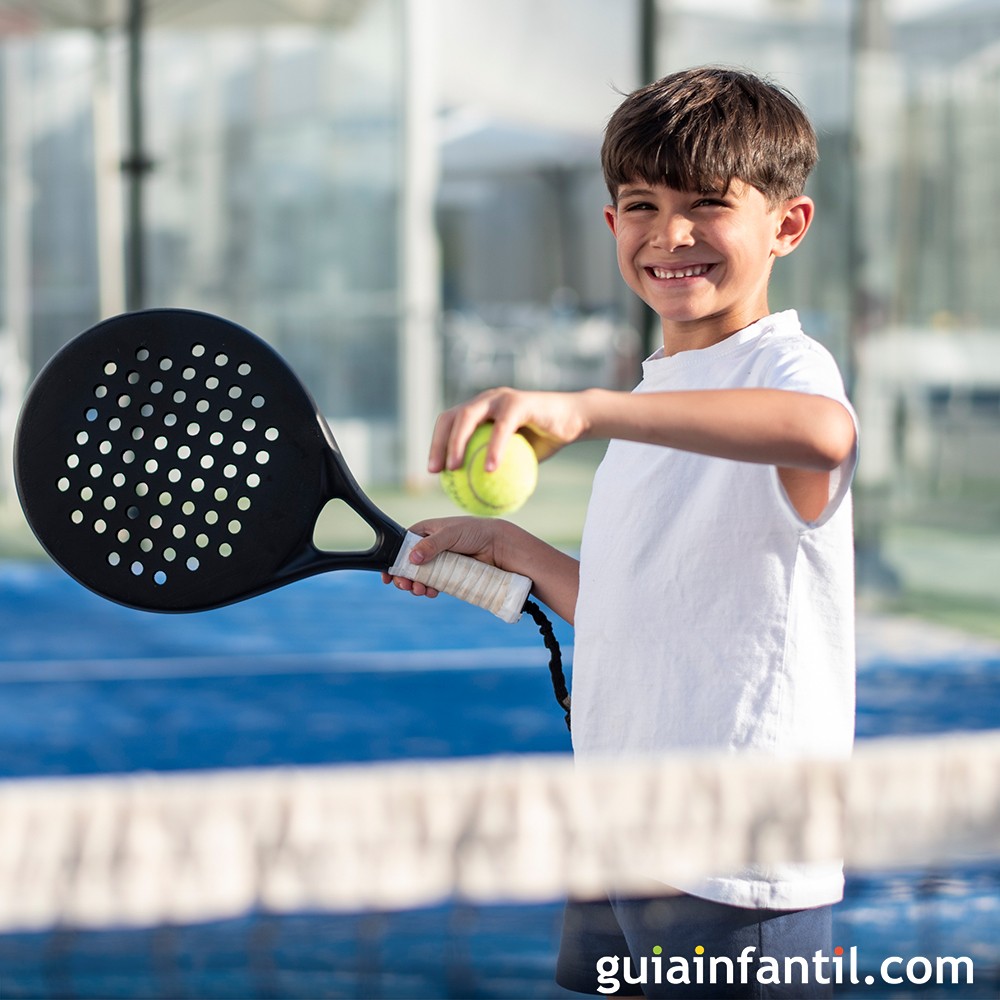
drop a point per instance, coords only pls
(797, 215)
(611, 218)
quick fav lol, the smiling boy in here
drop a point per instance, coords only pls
(713, 597)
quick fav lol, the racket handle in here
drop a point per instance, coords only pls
(467, 579)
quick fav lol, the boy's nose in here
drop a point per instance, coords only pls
(674, 231)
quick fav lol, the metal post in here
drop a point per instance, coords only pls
(136, 164)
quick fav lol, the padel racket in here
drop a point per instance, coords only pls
(171, 461)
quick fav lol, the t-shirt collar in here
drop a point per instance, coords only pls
(788, 319)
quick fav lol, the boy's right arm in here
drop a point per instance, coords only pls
(554, 574)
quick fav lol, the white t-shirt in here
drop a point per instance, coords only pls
(710, 615)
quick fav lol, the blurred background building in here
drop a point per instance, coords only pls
(404, 197)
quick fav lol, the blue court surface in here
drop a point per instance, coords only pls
(340, 668)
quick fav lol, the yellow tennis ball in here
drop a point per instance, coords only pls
(490, 494)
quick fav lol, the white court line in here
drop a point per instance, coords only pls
(257, 665)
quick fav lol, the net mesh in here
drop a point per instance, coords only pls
(364, 855)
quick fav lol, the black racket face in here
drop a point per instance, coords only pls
(170, 460)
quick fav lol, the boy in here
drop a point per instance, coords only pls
(713, 598)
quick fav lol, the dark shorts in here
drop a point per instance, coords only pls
(607, 933)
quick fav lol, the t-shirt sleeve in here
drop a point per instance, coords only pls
(812, 369)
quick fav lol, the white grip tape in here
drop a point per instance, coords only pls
(467, 579)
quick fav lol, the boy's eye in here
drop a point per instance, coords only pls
(709, 201)
(638, 206)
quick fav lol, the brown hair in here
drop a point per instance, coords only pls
(699, 129)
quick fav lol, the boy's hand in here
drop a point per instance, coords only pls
(471, 536)
(549, 420)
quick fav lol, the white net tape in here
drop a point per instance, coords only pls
(169, 848)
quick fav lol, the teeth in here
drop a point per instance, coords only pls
(687, 272)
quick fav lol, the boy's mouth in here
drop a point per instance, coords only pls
(691, 271)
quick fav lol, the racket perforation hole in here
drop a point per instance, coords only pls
(271, 434)
(115, 424)
(216, 438)
(253, 480)
(137, 433)
(114, 559)
(77, 517)
(96, 469)
(110, 503)
(156, 522)
(187, 507)
(152, 465)
(169, 554)
(212, 517)
(225, 550)
(128, 456)
(198, 350)
(262, 457)
(159, 577)
(82, 438)
(110, 368)
(235, 392)
(179, 396)
(244, 369)
(174, 475)
(100, 526)
(225, 416)
(197, 485)
(179, 531)
(221, 494)
(91, 415)
(249, 424)
(123, 535)
(166, 364)
(169, 419)
(188, 373)
(132, 513)
(240, 448)
(124, 400)
(222, 359)
(207, 461)
(243, 503)
(63, 485)
(156, 387)
(257, 402)
(73, 461)
(165, 499)
(234, 527)
(184, 451)
(141, 489)
(137, 568)
(203, 406)
(160, 444)
(192, 563)
(132, 378)
(142, 354)
(146, 410)
(105, 447)
(201, 541)
(100, 391)
(119, 479)
(146, 545)
(86, 494)
(193, 429)
(211, 382)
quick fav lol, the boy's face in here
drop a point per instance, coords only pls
(702, 260)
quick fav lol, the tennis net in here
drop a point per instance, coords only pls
(360, 857)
